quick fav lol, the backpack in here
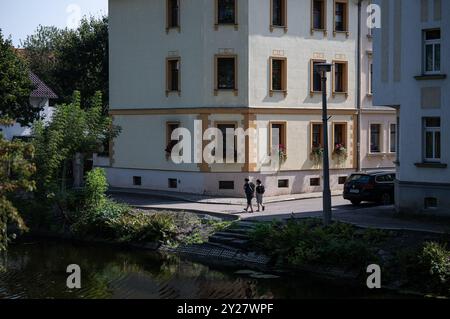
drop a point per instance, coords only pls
(249, 189)
(252, 187)
(260, 189)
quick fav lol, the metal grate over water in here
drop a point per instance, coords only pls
(218, 253)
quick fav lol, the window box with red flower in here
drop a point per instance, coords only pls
(340, 152)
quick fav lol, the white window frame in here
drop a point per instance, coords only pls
(369, 73)
(395, 138)
(433, 43)
(433, 130)
(380, 140)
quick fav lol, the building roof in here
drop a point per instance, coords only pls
(41, 89)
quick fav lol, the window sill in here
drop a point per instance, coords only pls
(431, 165)
(312, 93)
(347, 33)
(234, 91)
(173, 92)
(324, 31)
(273, 27)
(369, 94)
(235, 25)
(168, 29)
(272, 92)
(340, 93)
(425, 77)
(380, 154)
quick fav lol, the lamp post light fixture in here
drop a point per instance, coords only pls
(323, 69)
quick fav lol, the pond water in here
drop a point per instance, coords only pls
(38, 270)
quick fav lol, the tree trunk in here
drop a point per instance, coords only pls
(78, 170)
(63, 177)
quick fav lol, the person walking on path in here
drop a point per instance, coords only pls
(249, 189)
(260, 190)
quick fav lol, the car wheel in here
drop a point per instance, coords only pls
(356, 202)
(385, 199)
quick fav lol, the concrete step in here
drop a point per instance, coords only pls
(221, 246)
(229, 241)
(243, 225)
(233, 234)
(242, 231)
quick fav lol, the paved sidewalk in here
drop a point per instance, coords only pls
(205, 199)
(368, 215)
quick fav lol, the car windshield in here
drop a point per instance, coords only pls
(360, 178)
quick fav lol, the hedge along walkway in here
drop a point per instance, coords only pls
(366, 216)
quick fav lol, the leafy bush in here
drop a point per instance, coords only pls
(95, 188)
(116, 222)
(142, 227)
(435, 260)
(103, 218)
(99, 213)
(425, 268)
(307, 242)
(99, 222)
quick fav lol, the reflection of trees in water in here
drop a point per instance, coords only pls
(39, 270)
(3, 258)
(239, 288)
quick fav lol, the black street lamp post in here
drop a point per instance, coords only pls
(323, 69)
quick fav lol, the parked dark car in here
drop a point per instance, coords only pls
(370, 187)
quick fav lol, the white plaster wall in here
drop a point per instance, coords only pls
(189, 182)
(407, 92)
(9, 132)
(391, 93)
(142, 142)
(385, 159)
(299, 47)
(208, 183)
(215, 119)
(298, 128)
(139, 46)
(366, 58)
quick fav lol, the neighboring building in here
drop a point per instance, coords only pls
(39, 98)
(411, 67)
(239, 63)
(378, 123)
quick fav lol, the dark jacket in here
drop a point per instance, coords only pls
(249, 189)
(260, 189)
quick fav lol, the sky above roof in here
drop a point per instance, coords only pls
(19, 18)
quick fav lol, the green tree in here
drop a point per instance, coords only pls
(72, 59)
(40, 52)
(73, 130)
(16, 171)
(15, 86)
